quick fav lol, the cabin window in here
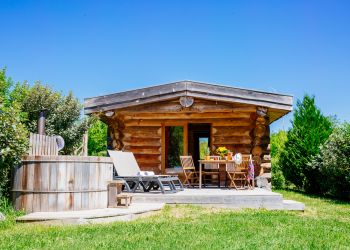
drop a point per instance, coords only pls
(173, 145)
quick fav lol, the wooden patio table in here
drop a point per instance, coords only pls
(202, 162)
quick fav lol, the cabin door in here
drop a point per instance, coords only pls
(198, 140)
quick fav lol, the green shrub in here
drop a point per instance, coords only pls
(333, 163)
(277, 179)
(97, 142)
(310, 129)
(277, 142)
(13, 144)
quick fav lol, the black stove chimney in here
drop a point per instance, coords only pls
(41, 122)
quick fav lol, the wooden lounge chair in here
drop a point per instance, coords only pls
(189, 170)
(127, 169)
(210, 170)
(238, 173)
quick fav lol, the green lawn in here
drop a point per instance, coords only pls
(325, 224)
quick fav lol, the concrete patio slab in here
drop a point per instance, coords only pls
(225, 198)
(93, 216)
(145, 204)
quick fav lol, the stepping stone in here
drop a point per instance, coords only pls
(293, 205)
(2, 217)
(92, 216)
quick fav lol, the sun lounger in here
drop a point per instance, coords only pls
(127, 169)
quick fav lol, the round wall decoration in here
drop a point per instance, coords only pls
(186, 101)
(261, 111)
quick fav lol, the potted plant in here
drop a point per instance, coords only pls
(207, 154)
(222, 151)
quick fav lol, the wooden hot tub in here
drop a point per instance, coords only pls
(61, 183)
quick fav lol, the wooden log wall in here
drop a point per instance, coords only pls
(61, 183)
(139, 129)
(235, 138)
(143, 141)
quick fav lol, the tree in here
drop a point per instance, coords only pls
(333, 163)
(97, 142)
(19, 110)
(277, 142)
(310, 129)
(63, 113)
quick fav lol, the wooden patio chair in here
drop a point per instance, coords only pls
(211, 169)
(238, 173)
(189, 170)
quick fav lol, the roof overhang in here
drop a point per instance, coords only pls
(188, 88)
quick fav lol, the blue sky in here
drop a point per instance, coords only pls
(99, 47)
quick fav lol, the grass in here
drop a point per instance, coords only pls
(11, 214)
(325, 224)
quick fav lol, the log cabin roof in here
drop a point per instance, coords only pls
(194, 89)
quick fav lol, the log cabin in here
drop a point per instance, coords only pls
(161, 122)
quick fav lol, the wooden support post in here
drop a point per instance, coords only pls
(211, 140)
(163, 149)
(185, 139)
